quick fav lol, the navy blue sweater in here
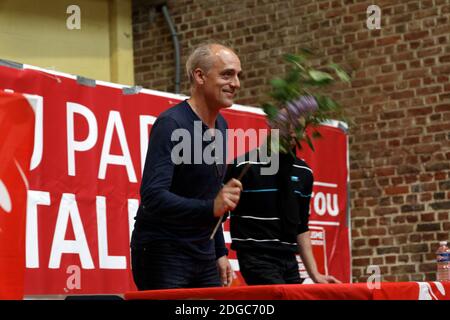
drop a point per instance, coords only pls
(177, 200)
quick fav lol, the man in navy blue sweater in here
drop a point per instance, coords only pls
(183, 198)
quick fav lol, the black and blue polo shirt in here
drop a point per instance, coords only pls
(259, 220)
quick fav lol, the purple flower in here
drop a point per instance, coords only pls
(286, 118)
(282, 116)
(302, 106)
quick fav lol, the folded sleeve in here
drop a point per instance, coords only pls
(219, 240)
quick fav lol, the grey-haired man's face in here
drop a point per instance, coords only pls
(221, 82)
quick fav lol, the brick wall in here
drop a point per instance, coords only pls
(399, 102)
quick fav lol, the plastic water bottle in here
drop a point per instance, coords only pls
(443, 262)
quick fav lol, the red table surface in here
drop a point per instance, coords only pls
(345, 291)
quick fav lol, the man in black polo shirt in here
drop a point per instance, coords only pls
(181, 194)
(270, 224)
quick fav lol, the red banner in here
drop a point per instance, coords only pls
(16, 130)
(329, 219)
(90, 146)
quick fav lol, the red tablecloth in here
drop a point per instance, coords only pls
(357, 291)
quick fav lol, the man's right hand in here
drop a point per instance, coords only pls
(227, 198)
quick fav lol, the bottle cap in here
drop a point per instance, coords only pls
(442, 243)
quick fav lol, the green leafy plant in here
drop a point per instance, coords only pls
(296, 101)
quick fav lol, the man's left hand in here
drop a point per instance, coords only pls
(225, 271)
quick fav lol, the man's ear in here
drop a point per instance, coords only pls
(199, 76)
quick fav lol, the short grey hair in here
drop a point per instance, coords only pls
(201, 58)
